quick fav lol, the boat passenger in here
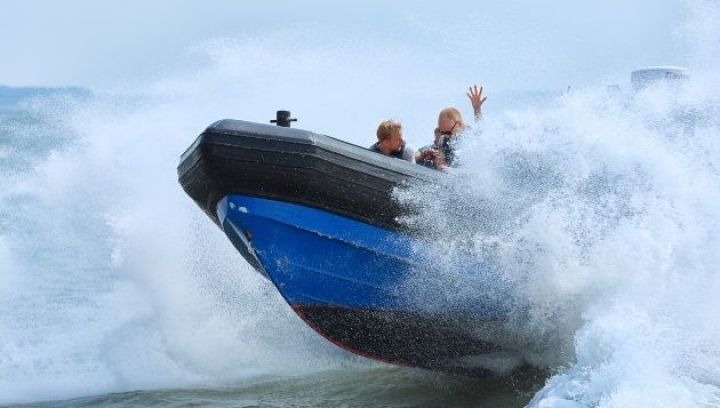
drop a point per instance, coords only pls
(390, 142)
(441, 154)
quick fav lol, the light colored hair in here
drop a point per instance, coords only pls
(455, 115)
(386, 129)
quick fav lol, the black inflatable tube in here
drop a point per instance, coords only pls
(297, 166)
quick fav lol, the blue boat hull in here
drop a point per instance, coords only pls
(345, 279)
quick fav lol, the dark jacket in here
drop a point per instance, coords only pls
(445, 147)
(406, 153)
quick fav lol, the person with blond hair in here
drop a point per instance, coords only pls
(441, 154)
(390, 142)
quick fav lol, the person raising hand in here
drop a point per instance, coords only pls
(441, 154)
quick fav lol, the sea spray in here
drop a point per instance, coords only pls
(112, 279)
(600, 213)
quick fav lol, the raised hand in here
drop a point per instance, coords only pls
(476, 99)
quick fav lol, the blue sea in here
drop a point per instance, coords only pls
(599, 207)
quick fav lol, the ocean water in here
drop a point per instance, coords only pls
(600, 210)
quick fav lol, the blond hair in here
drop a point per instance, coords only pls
(453, 114)
(387, 128)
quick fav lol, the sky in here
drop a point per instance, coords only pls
(510, 44)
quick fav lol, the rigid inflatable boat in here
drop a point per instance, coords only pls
(316, 216)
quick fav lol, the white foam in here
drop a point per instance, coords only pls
(602, 217)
